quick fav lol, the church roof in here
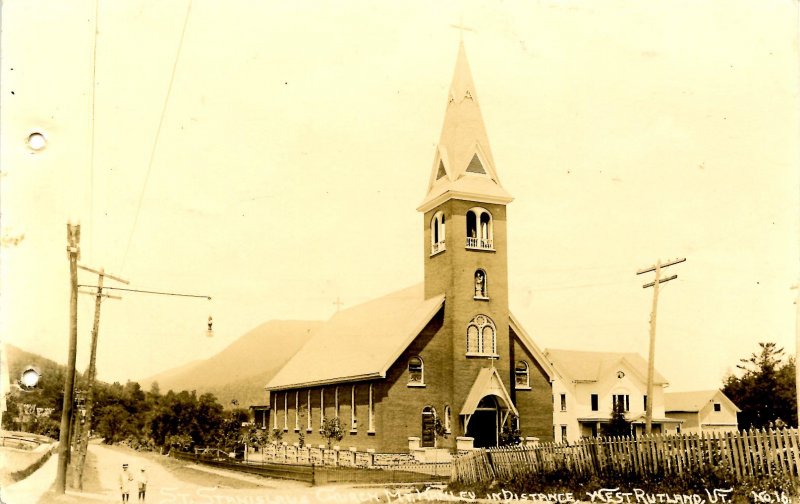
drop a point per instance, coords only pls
(694, 401)
(580, 366)
(360, 342)
(463, 166)
(532, 347)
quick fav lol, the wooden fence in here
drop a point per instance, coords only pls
(745, 454)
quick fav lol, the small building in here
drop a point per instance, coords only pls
(587, 386)
(702, 411)
(260, 414)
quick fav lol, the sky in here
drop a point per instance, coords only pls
(271, 155)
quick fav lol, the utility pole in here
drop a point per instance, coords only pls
(73, 252)
(652, 353)
(797, 349)
(85, 429)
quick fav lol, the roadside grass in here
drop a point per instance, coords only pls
(91, 484)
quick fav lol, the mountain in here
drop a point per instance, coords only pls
(242, 369)
(51, 372)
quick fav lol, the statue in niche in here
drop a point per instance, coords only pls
(480, 284)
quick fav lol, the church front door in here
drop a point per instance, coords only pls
(482, 425)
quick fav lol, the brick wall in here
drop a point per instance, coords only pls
(399, 411)
(535, 406)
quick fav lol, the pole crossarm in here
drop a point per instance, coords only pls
(103, 273)
(90, 293)
(662, 266)
(673, 277)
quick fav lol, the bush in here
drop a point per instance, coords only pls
(332, 430)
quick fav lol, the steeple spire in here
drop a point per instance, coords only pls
(463, 166)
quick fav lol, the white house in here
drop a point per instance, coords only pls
(589, 383)
(702, 411)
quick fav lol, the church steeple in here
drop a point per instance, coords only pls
(463, 167)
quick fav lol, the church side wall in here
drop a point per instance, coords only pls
(535, 406)
(358, 437)
(399, 407)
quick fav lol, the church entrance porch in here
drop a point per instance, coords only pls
(486, 409)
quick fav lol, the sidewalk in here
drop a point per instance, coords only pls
(256, 480)
(31, 489)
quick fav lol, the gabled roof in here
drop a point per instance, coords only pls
(360, 342)
(694, 401)
(463, 166)
(532, 347)
(581, 366)
(488, 382)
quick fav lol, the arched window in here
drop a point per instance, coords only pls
(416, 372)
(522, 375)
(447, 418)
(437, 233)
(481, 336)
(479, 229)
(481, 288)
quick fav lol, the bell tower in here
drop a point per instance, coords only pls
(464, 246)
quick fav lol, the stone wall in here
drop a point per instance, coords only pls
(321, 455)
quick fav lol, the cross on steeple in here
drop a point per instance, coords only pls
(338, 303)
(461, 28)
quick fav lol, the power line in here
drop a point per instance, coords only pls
(147, 291)
(581, 286)
(92, 130)
(158, 134)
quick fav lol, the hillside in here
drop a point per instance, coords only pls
(50, 391)
(52, 373)
(242, 369)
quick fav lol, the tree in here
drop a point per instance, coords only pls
(765, 391)
(618, 425)
(511, 434)
(233, 431)
(332, 430)
(114, 424)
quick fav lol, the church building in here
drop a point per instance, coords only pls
(442, 364)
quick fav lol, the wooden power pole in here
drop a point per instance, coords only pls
(85, 428)
(73, 252)
(797, 349)
(652, 353)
